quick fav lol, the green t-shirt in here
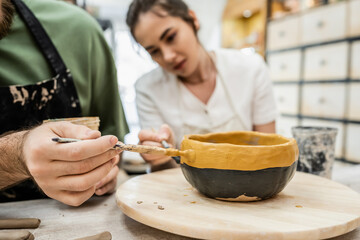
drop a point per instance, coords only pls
(81, 44)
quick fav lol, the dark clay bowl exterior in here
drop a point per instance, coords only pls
(249, 168)
(236, 185)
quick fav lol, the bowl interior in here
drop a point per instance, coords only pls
(241, 138)
(239, 150)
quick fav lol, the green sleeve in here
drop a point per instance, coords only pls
(106, 100)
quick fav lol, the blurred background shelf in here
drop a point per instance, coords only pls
(313, 52)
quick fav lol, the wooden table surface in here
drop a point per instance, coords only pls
(102, 214)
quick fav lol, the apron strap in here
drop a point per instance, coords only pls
(41, 37)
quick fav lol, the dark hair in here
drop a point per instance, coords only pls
(175, 8)
(8, 11)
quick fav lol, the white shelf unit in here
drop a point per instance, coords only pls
(314, 60)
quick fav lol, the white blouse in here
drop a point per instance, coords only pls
(218, 115)
(242, 97)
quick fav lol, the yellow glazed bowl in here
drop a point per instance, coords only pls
(239, 166)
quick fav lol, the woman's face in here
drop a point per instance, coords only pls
(170, 41)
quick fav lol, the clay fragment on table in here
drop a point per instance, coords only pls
(19, 223)
(16, 235)
(101, 236)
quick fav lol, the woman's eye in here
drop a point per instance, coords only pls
(171, 37)
(154, 52)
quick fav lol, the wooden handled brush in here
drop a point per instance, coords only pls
(137, 148)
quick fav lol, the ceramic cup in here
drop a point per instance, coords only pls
(316, 147)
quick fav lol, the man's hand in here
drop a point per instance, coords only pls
(71, 172)
(108, 184)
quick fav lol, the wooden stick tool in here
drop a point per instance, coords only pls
(136, 148)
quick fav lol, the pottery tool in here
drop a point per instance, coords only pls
(137, 148)
(18, 223)
(166, 145)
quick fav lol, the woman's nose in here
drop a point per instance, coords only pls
(169, 54)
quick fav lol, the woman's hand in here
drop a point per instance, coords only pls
(154, 138)
(71, 172)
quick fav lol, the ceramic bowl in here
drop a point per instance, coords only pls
(91, 122)
(239, 166)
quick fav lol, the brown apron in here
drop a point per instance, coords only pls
(29, 105)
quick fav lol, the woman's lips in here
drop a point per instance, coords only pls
(180, 65)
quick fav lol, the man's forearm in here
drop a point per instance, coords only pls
(12, 167)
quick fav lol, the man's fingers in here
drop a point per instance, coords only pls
(63, 168)
(107, 189)
(107, 184)
(83, 182)
(71, 198)
(76, 198)
(70, 130)
(84, 149)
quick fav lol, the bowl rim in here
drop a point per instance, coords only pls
(228, 156)
(289, 141)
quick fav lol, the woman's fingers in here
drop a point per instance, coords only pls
(152, 157)
(165, 132)
(148, 135)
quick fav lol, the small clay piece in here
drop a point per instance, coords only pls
(19, 223)
(298, 206)
(101, 236)
(16, 235)
(193, 202)
(139, 202)
(155, 202)
(161, 207)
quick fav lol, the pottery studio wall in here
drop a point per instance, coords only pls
(313, 51)
(294, 36)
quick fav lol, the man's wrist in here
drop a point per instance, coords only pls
(13, 168)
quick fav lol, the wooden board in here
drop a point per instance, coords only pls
(310, 207)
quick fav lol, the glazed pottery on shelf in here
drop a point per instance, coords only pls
(239, 166)
(317, 149)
